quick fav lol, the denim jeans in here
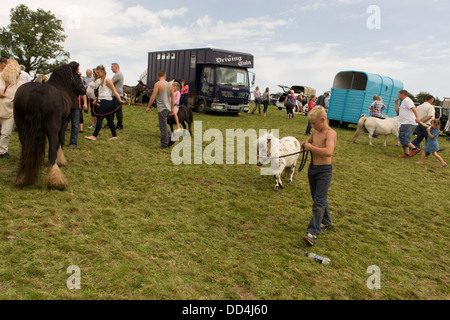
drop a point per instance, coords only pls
(319, 181)
(266, 106)
(405, 132)
(308, 128)
(118, 113)
(257, 105)
(163, 116)
(106, 106)
(75, 115)
(421, 134)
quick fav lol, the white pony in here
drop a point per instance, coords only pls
(269, 149)
(375, 125)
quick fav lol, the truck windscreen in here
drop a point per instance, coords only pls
(232, 77)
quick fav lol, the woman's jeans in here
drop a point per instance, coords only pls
(257, 105)
(106, 106)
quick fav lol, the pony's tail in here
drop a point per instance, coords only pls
(359, 128)
(32, 136)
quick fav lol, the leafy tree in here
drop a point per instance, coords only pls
(437, 101)
(34, 39)
(421, 97)
(413, 98)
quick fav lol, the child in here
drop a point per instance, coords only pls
(321, 143)
(177, 94)
(376, 107)
(184, 93)
(431, 144)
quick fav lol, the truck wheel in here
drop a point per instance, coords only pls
(334, 123)
(201, 107)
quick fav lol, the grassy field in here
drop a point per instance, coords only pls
(140, 227)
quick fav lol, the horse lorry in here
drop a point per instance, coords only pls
(218, 80)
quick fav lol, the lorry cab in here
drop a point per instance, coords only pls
(223, 89)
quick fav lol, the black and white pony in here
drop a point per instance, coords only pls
(271, 150)
(40, 113)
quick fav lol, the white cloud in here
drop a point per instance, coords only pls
(283, 42)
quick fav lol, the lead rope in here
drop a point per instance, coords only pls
(304, 160)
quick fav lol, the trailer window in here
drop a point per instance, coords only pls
(232, 77)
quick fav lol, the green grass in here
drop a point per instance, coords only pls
(140, 227)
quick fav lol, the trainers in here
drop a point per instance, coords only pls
(404, 156)
(414, 152)
(310, 239)
(5, 156)
(443, 165)
(325, 227)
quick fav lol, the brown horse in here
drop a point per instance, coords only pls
(134, 93)
(41, 112)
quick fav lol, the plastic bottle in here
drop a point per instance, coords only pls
(318, 258)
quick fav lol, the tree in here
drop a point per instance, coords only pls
(422, 96)
(34, 39)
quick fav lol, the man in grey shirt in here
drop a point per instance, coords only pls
(117, 80)
(164, 95)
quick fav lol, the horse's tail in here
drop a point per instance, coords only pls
(359, 128)
(30, 123)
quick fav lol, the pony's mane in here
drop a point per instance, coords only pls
(61, 75)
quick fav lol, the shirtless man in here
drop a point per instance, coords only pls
(321, 143)
(164, 95)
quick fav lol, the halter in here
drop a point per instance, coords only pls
(302, 162)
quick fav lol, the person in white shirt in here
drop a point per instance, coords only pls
(408, 118)
(9, 83)
(24, 76)
(426, 114)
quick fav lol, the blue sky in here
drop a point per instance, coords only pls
(294, 42)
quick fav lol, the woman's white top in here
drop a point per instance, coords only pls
(104, 93)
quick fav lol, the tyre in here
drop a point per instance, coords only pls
(201, 107)
(334, 123)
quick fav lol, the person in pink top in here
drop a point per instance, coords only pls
(177, 95)
(184, 93)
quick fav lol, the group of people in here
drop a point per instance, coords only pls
(420, 120)
(263, 98)
(12, 75)
(103, 95)
(169, 96)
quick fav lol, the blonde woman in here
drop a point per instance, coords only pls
(257, 95)
(9, 82)
(106, 90)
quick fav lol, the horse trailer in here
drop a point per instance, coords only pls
(352, 95)
(218, 79)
